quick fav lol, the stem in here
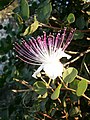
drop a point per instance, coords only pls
(44, 25)
(66, 86)
(48, 86)
(81, 78)
(75, 59)
(34, 117)
(45, 115)
(86, 97)
(49, 81)
(57, 28)
(20, 90)
(73, 89)
(24, 83)
(86, 68)
(72, 52)
(44, 81)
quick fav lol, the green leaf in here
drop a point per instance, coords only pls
(44, 11)
(32, 28)
(82, 86)
(40, 87)
(74, 84)
(26, 32)
(71, 18)
(18, 18)
(78, 35)
(56, 93)
(24, 7)
(85, 6)
(70, 74)
(80, 22)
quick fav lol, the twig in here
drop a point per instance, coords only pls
(81, 78)
(44, 81)
(72, 89)
(57, 28)
(20, 90)
(71, 52)
(49, 81)
(46, 115)
(35, 117)
(86, 68)
(83, 31)
(44, 25)
(8, 5)
(48, 86)
(75, 59)
(86, 97)
(66, 85)
(24, 83)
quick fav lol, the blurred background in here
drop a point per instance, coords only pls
(18, 20)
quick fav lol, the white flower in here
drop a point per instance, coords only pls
(46, 52)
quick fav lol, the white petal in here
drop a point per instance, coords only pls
(37, 71)
(63, 54)
(59, 54)
(53, 70)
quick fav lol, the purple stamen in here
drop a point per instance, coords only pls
(38, 51)
(57, 41)
(62, 37)
(24, 53)
(71, 34)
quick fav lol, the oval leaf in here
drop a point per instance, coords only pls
(71, 18)
(44, 11)
(40, 87)
(24, 7)
(26, 32)
(80, 22)
(74, 84)
(32, 28)
(18, 18)
(82, 86)
(78, 35)
(56, 93)
(70, 74)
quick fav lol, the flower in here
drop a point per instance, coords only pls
(46, 52)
